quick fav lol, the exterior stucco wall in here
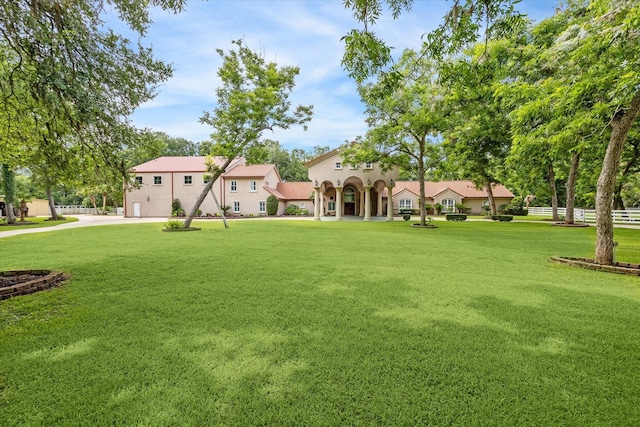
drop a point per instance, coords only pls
(326, 171)
(155, 199)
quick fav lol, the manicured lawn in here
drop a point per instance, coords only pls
(319, 323)
(36, 222)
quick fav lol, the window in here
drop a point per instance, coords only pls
(234, 185)
(262, 207)
(206, 179)
(236, 207)
(406, 204)
(353, 167)
(139, 180)
(157, 180)
(188, 180)
(368, 165)
(253, 186)
(332, 204)
(448, 205)
(338, 165)
(303, 205)
(350, 195)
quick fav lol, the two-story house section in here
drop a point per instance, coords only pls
(164, 179)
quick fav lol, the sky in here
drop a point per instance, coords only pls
(303, 33)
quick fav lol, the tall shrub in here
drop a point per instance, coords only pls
(272, 205)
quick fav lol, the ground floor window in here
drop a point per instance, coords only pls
(406, 204)
(262, 207)
(448, 205)
(236, 207)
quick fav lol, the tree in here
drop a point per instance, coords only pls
(597, 46)
(366, 55)
(480, 140)
(404, 124)
(253, 98)
(9, 187)
(67, 79)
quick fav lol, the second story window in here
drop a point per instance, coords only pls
(234, 185)
(188, 179)
(338, 165)
(368, 165)
(157, 180)
(139, 180)
(253, 186)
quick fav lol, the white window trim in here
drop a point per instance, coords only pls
(262, 206)
(253, 186)
(404, 205)
(302, 205)
(236, 203)
(338, 165)
(368, 165)
(139, 180)
(159, 178)
(184, 180)
(233, 186)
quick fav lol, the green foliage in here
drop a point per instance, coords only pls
(502, 218)
(174, 225)
(462, 208)
(438, 207)
(456, 217)
(406, 217)
(272, 205)
(176, 208)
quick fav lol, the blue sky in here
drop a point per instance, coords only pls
(305, 33)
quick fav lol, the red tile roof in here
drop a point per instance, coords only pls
(181, 164)
(465, 189)
(251, 171)
(293, 190)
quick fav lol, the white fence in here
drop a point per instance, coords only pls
(631, 216)
(73, 209)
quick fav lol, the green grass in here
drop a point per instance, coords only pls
(37, 222)
(320, 323)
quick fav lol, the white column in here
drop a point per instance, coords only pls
(379, 213)
(361, 213)
(338, 203)
(367, 203)
(321, 205)
(389, 204)
(316, 204)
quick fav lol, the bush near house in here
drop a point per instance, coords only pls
(502, 218)
(176, 208)
(462, 208)
(295, 210)
(456, 217)
(272, 205)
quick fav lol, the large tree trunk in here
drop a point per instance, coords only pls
(551, 178)
(620, 126)
(423, 209)
(9, 187)
(52, 203)
(492, 200)
(208, 186)
(618, 202)
(571, 187)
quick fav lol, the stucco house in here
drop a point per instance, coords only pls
(406, 195)
(336, 189)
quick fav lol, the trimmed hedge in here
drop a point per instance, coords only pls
(456, 217)
(502, 218)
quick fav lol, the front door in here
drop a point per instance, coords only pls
(136, 209)
(349, 208)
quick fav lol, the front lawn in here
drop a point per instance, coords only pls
(321, 323)
(35, 222)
